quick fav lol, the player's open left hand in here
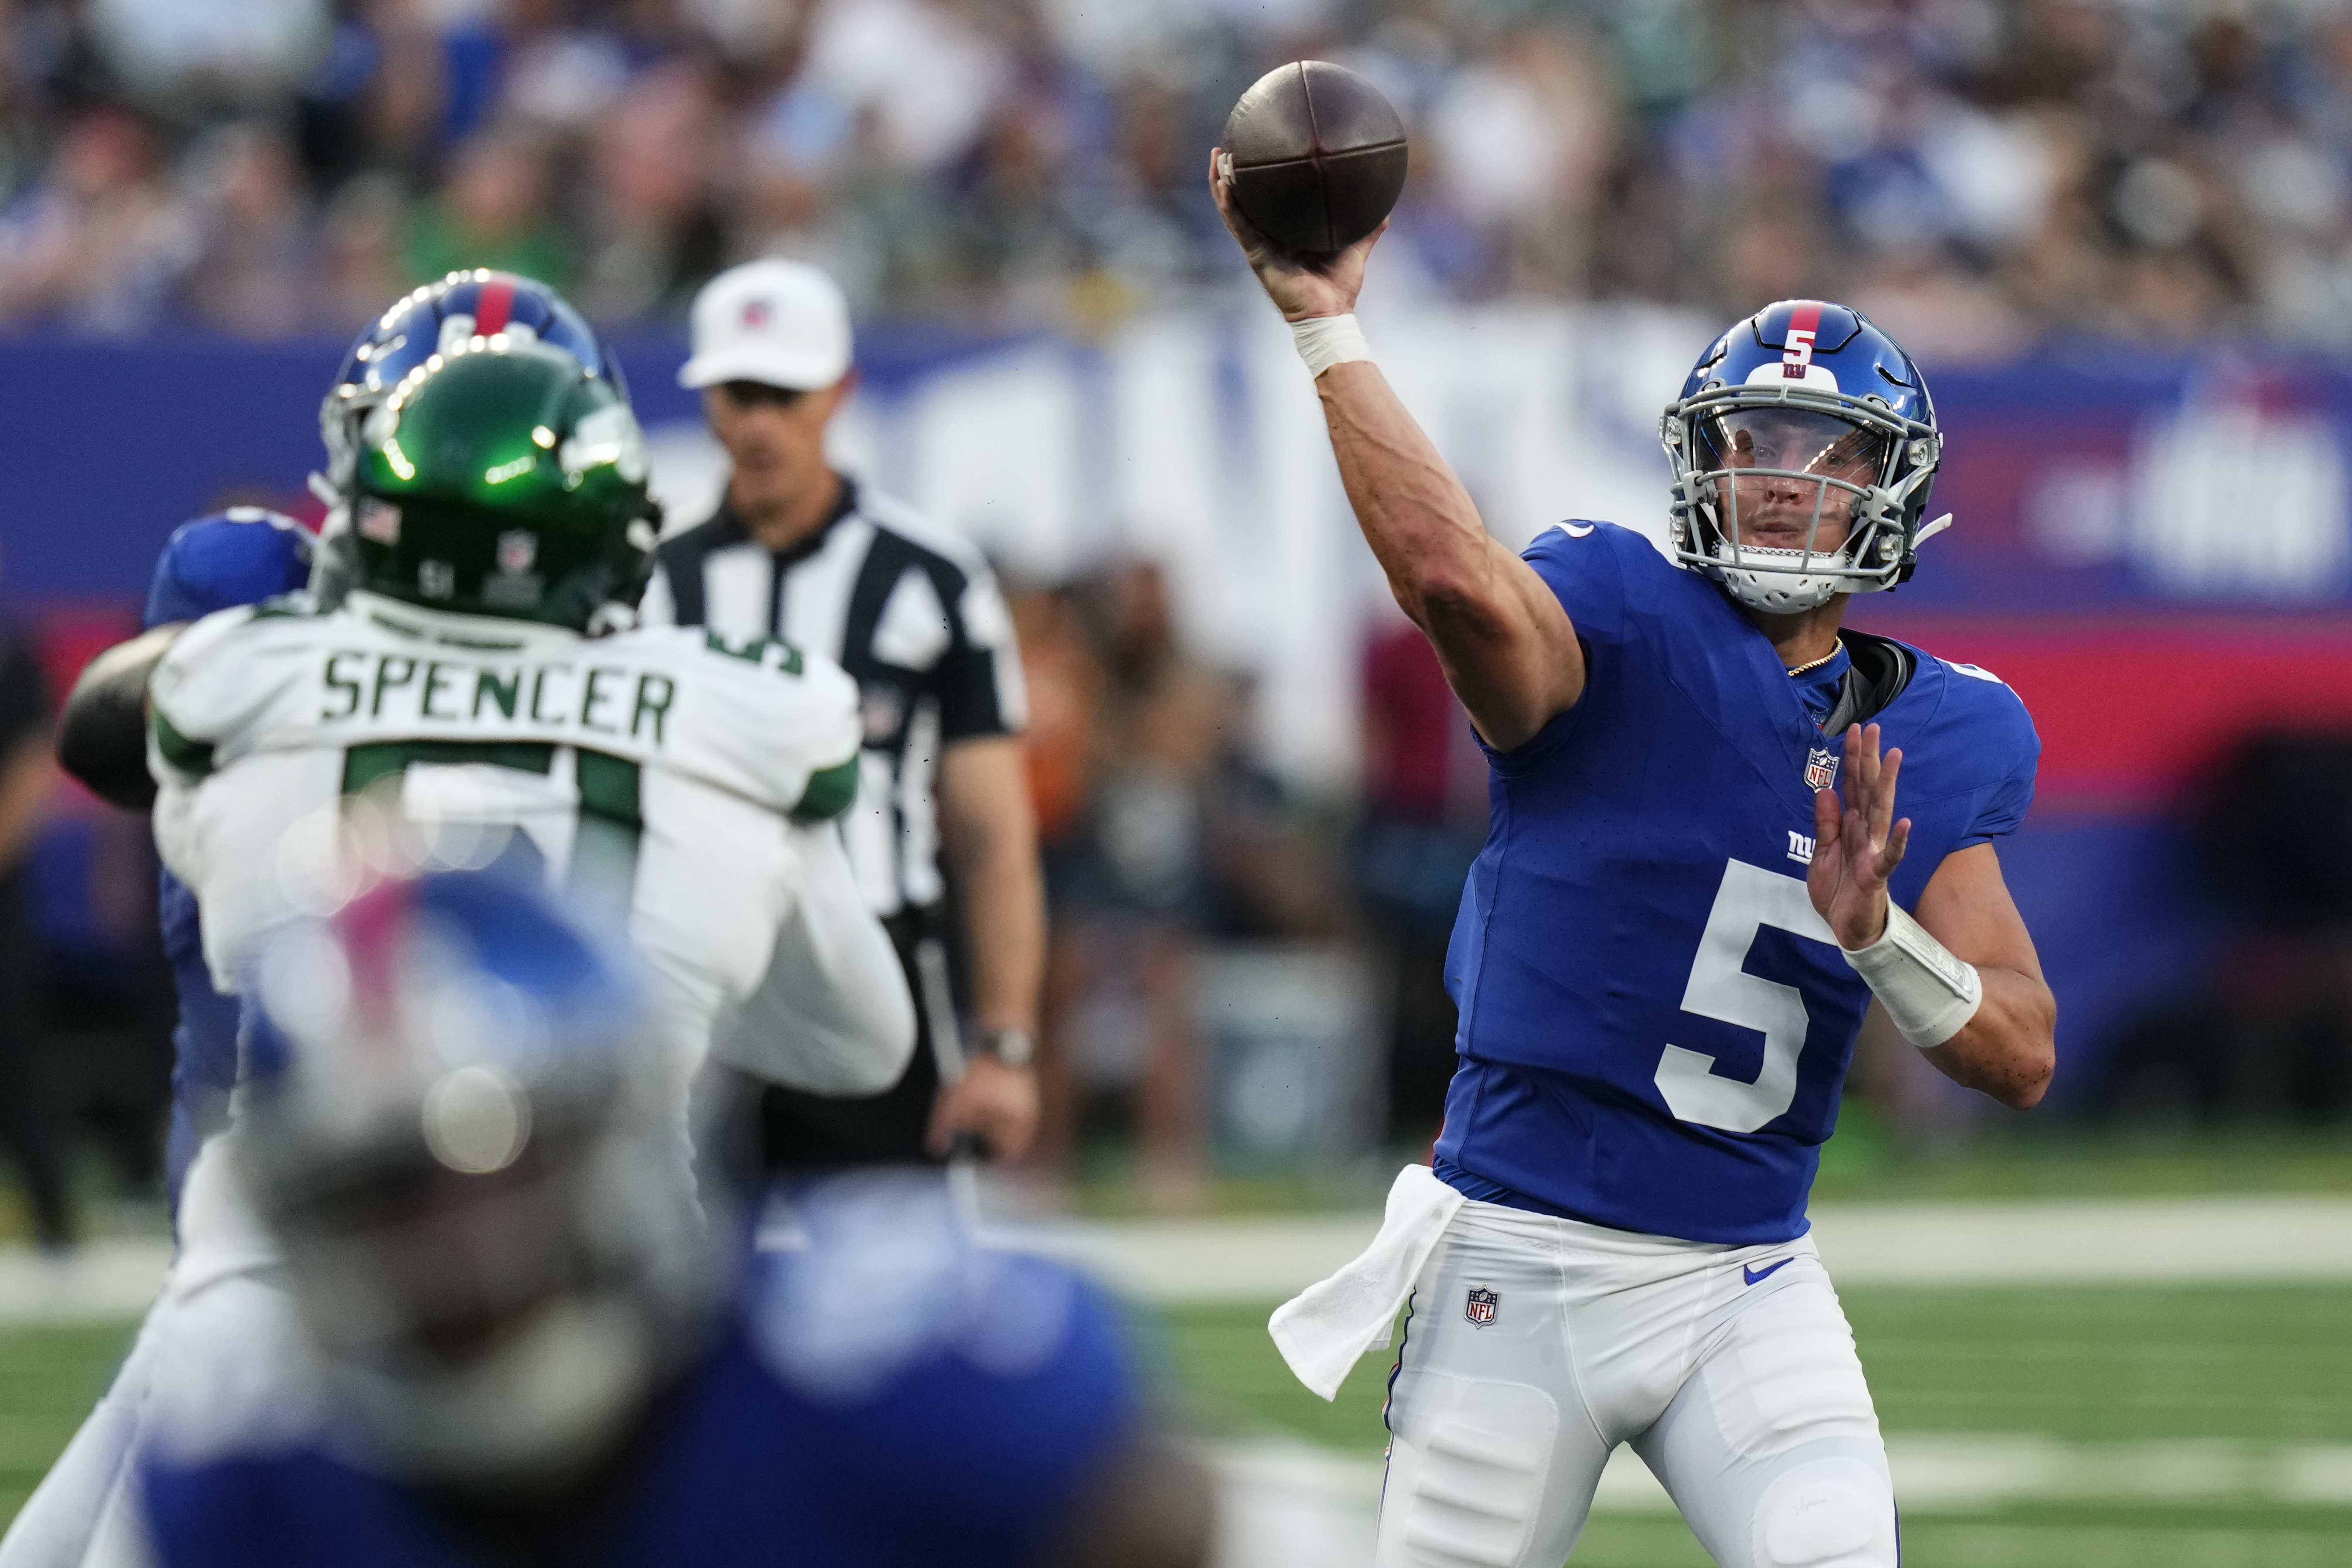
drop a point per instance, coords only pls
(1298, 290)
(1857, 842)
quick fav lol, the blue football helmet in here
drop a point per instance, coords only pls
(430, 322)
(463, 1128)
(476, 311)
(1802, 446)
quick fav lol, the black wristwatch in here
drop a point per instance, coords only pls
(1014, 1047)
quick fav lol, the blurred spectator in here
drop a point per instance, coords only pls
(27, 1115)
(1131, 889)
(172, 53)
(653, 234)
(492, 212)
(360, 268)
(373, 100)
(1982, 173)
(1064, 678)
(99, 241)
(1424, 818)
(254, 272)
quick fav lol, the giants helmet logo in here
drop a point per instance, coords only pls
(1480, 1307)
(1798, 358)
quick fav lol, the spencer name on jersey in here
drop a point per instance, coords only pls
(595, 700)
(663, 778)
(753, 718)
(603, 700)
(1655, 1024)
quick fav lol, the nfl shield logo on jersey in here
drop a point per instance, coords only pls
(1820, 767)
(1480, 1307)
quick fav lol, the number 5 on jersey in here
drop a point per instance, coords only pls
(1721, 988)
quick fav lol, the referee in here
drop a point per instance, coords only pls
(800, 553)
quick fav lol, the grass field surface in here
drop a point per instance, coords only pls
(2124, 1425)
(2137, 1427)
(2206, 1427)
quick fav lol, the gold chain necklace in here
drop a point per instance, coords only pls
(1815, 665)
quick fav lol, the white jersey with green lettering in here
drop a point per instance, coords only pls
(665, 778)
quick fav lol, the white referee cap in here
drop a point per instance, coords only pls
(779, 323)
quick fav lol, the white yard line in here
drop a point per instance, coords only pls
(1267, 1258)
(1289, 1505)
(113, 1278)
(2154, 1241)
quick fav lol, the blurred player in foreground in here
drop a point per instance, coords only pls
(1695, 885)
(454, 706)
(516, 1344)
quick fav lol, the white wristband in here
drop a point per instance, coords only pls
(1326, 341)
(1929, 994)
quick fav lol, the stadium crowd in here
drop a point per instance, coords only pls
(1979, 173)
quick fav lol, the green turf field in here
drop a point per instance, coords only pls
(50, 1378)
(2176, 1409)
(2182, 1414)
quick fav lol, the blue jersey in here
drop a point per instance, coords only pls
(882, 1403)
(1655, 1024)
(241, 556)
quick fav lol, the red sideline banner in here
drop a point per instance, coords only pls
(2136, 710)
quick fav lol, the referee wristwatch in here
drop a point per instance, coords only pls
(1011, 1047)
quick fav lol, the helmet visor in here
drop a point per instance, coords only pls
(1788, 479)
(1794, 441)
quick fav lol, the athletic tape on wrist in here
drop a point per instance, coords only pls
(1326, 341)
(1929, 994)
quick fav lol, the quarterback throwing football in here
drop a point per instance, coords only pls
(1694, 884)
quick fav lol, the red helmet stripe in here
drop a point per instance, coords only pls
(1804, 321)
(497, 298)
(372, 927)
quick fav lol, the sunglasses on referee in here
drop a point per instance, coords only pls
(747, 395)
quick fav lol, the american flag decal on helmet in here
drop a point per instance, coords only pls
(1480, 1307)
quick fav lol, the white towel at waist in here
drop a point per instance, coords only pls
(1325, 1329)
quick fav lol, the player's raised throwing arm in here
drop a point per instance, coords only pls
(1504, 642)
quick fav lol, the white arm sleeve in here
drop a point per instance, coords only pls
(832, 1015)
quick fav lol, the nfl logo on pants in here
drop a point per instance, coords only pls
(1480, 1307)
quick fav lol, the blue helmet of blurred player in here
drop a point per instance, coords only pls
(456, 1129)
(1802, 445)
(433, 321)
(482, 457)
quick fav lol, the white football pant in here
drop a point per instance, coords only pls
(1730, 1369)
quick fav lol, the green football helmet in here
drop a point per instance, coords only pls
(502, 477)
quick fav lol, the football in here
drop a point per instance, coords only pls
(1318, 156)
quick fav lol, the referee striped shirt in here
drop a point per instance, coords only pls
(912, 611)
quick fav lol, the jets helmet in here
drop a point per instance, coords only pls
(462, 1130)
(500, 475)
(1802, 447)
